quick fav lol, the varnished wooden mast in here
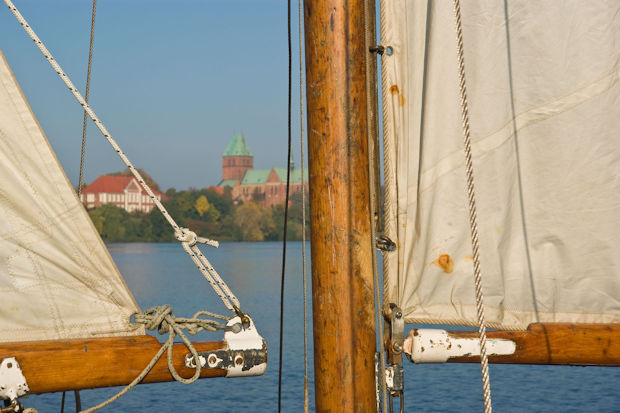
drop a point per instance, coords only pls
(342, 282)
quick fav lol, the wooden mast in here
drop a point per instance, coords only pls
(342, 281)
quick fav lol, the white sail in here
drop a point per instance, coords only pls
(544, 103)
(58, 279)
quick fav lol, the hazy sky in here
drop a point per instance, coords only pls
(172, 81)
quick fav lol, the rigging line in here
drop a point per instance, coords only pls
(90, 64)
(473, 220)
(370, 32)
(303, 205)
(160, 318)
(187, 238)
(78, 401)
(288, 181)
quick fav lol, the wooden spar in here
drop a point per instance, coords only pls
(61, 365)
(549, 343)
(342, 280)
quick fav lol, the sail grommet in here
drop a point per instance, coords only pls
(12, 383)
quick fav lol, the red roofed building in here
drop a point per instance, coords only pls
(122, 191)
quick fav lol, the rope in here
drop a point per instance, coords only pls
(288, 180)
(78, 401)
(303, 205)
(473, 220)
(90, 63)
(187, 238)
(160, 318)
(369, 30)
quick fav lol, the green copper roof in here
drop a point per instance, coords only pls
(295, 174)
(256, 176)
(237, 147)
(228, 182)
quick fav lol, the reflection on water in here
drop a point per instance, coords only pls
(163, 274)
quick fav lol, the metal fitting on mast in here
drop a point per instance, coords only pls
(395, 336)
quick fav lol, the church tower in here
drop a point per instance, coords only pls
(237, 159)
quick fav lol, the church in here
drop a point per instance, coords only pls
(266, 187)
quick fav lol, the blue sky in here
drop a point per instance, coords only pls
(172, 82)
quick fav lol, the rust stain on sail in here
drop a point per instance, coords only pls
(395, 91)
(445, 262)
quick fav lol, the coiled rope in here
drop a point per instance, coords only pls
(187, 238)
(473, 220)
(160, 318)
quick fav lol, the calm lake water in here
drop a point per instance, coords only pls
(163, 274)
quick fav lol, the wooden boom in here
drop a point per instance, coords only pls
(542, 343)
(61, 365)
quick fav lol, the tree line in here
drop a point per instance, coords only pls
(206, 212)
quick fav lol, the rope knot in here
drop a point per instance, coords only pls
(185, 235)
(155, 318)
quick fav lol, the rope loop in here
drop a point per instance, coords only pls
(160, 318)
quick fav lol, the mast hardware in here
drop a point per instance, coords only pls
(378, 381)
(394, 375)
(245, 318)
(246, 353)
(425, 345)
(378, 49)
(396, 331)
(12, 384)
(240, 360)
(395, 383)
(385, 244)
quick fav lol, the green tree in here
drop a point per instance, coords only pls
(111, 222)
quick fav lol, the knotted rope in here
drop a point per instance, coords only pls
(160, 318)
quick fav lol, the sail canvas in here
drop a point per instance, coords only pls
(58, 279)
(543, 92)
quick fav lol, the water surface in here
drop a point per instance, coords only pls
(163, 274)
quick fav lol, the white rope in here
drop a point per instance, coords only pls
(187, 238)
(473, 220)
